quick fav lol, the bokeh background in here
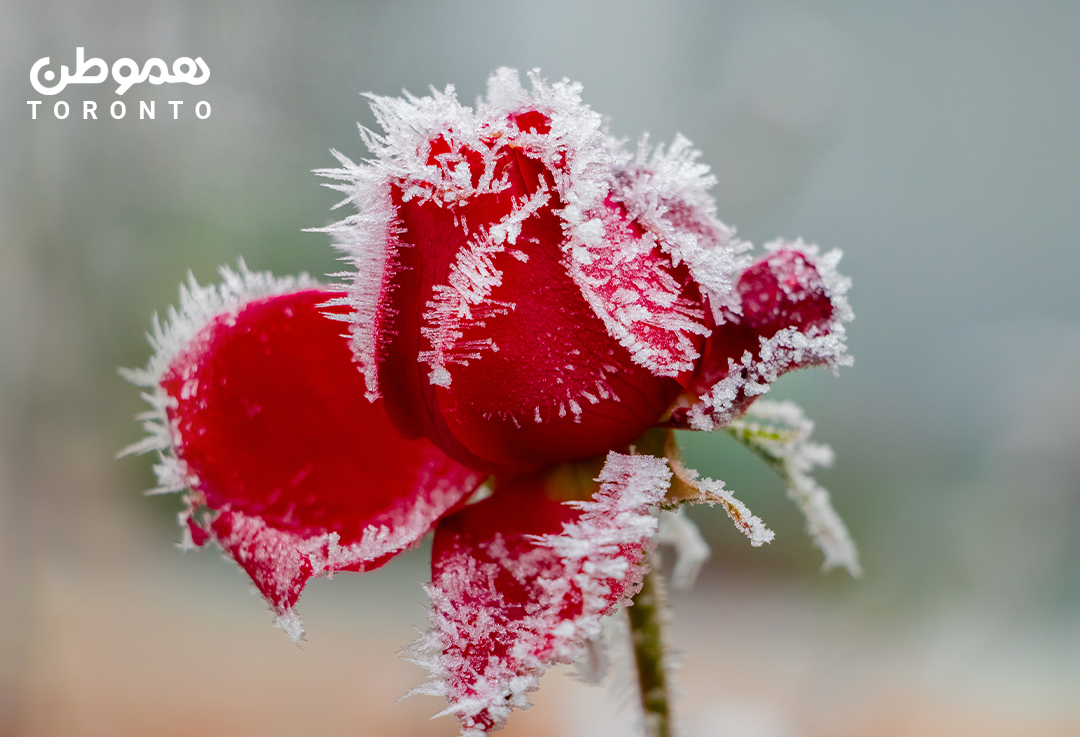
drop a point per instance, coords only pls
(935, 142)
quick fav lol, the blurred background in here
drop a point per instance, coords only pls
(934, 142)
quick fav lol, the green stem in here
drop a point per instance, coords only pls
(647, 630)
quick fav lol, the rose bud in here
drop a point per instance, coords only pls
(788, 312)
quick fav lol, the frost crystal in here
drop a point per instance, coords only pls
(436, 152)
(667, 193)
(691, 550)
(713, 492)
(259, 411)
(507, 604)
(779, 433)
(792, 314)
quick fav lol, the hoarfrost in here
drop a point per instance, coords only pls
(278, 561)
(622, 276)
(369, 242)
(787, 349)
(710, 491)
(779, 433)
(281, 562)
(616, 516)
(691, 550)
(466, 297)
(572, 579)
(667, 193)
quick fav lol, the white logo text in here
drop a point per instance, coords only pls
(125, 72)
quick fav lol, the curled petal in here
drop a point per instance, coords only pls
(520, 582)
(791, 313)
(260, 412)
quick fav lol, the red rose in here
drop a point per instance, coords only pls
(526, 293)
(528, 301)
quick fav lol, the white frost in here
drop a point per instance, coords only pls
(587, 558)
(788, 348)
(666, 194)
(691, 550)
(781, 433)
(712, 492)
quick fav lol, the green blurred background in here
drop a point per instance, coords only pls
(936, 143)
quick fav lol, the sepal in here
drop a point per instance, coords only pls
(779, 433)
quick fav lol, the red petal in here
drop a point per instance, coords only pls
(271, 429)
(654, 309)
(792, 316)
(518, 371)
(520, 582)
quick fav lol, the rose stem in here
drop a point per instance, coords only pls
(647, 632)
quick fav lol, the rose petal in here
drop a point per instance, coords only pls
(654, 309)
(520, 582)
(792, 315)
(516, 370)
(666, 192)
(515, 313)
(265, 415)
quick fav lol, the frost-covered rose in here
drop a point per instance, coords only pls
(526, 292)
(530, 306)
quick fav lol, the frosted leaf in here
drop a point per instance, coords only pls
(512, 594)
(712, 492)
(779, 433)
(687, 487)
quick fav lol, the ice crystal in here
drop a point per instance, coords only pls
(691, 550)
(779, 433)
(506, 606)
(784, 338)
